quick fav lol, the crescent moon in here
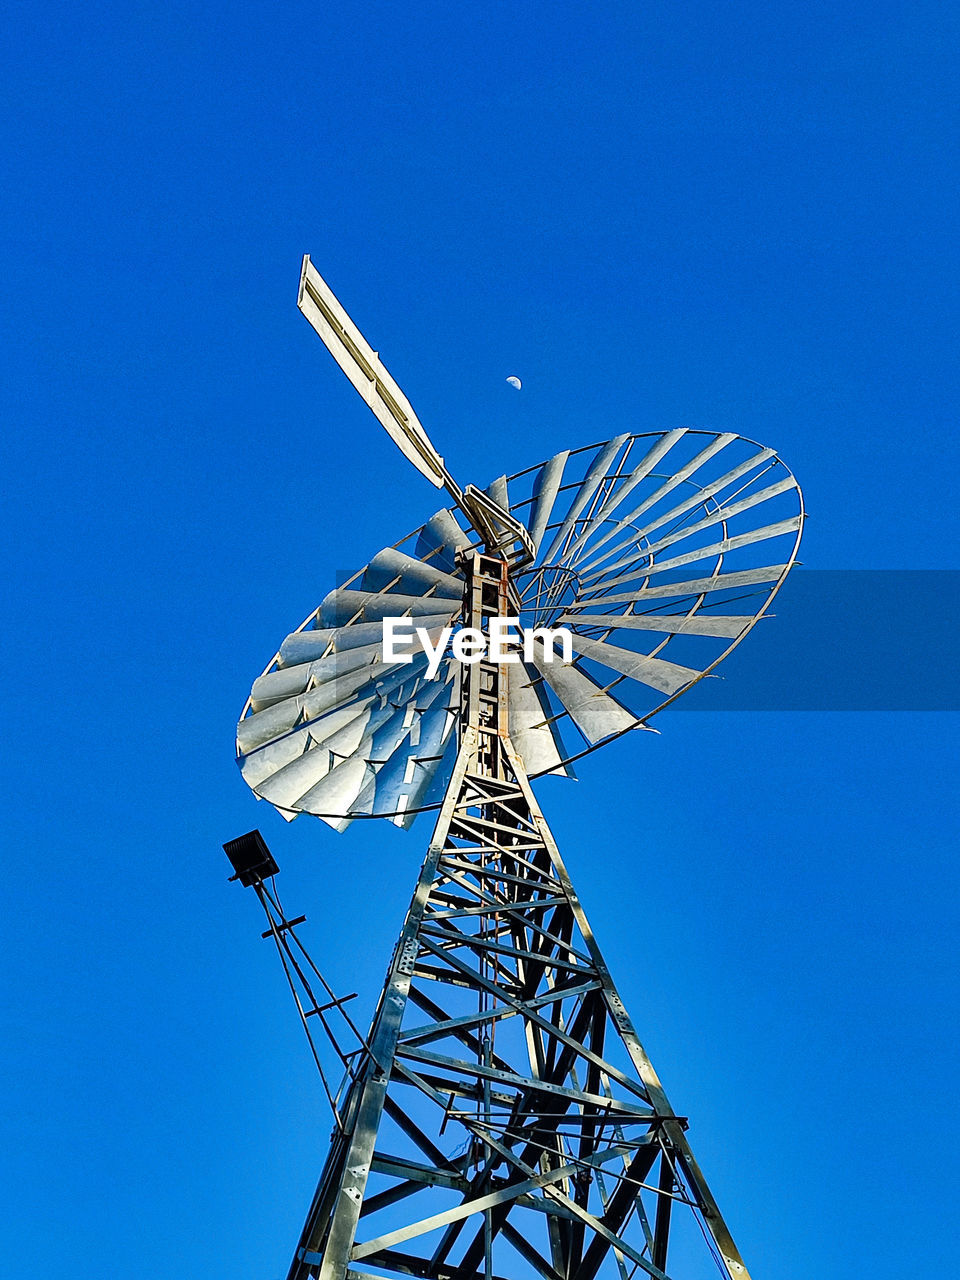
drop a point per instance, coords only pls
(515, 382)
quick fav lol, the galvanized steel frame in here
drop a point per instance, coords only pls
(557, 1133)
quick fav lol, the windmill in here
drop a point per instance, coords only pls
(501, 1119)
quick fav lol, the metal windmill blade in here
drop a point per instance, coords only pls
(501, 1119)
(658, 552)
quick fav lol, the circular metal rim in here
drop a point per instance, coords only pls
(640, 722)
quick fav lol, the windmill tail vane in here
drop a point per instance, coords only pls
(501, 1118)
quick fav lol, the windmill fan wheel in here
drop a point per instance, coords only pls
(657, 551)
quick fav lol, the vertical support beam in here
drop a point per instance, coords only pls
(661, 1228)
(483, 689)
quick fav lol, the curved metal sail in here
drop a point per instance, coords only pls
(658, 552)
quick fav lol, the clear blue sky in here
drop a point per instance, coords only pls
(735, 215)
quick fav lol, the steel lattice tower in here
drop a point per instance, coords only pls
(501, 1119)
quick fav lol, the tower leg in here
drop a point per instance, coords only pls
(507, 1121)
